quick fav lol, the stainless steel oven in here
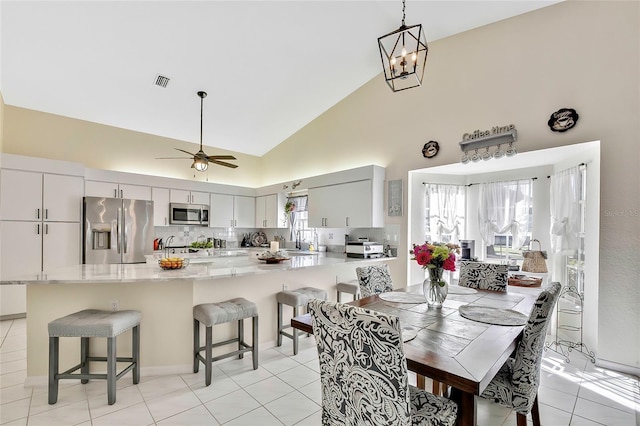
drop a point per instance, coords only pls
(188, 214)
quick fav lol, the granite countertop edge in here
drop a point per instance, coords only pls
(141, 272)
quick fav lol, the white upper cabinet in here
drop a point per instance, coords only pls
(235, 211)
(93, 188)
(33, 196)
(221, 211)
(348, 205)
(270, 211)
(189, 197)
(160, 197)
(244, 211)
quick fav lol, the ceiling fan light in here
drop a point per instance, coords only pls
(200, 165)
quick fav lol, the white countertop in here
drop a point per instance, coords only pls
(221, 267)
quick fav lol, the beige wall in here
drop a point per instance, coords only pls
(39, 134)
(583, 55)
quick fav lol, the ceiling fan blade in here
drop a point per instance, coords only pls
(222, 163)
(221, 157)
(174, 158)
(186, 152)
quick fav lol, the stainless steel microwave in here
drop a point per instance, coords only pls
(188, 214)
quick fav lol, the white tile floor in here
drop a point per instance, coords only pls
(285, 390)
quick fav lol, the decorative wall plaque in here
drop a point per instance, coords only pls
(563, 119)
(430, 149)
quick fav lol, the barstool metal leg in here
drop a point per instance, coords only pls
(240, 336)
(208, 355)
(279, 324)
(135, 349)
(53, 369)
(196, 345)
(254, 342)
(111, 370)
(295, 333)
(84, 354)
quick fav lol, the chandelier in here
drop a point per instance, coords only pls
(404, 55)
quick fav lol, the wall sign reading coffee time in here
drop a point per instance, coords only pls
(563, 119)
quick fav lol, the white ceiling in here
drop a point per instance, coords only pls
(269, 67)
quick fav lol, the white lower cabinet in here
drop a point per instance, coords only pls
(28, 249)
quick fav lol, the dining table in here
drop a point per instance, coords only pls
(463, 344)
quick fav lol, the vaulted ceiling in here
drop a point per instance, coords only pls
(269, 67)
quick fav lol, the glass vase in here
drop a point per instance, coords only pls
(435, 288)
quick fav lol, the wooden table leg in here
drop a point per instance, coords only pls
(466, 407)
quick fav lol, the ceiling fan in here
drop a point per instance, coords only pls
(200, 159)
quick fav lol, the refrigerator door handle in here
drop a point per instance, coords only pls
(124, 233)
(119, 230)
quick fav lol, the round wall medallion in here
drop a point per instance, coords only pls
(430, 149)
(563, 119)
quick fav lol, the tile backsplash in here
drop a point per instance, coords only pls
(332, 238)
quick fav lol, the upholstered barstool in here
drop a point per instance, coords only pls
(295, 299)
(350, 287)
(210, 314)
(94, 323)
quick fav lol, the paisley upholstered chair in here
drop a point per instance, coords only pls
(374, 280)
(485, 276)
(516, 384)
(363, 371)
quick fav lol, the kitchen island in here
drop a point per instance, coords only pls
(166, 299)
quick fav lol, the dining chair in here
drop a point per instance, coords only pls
(483, 275)
(363, 371)
(374, 279)
(516, 384)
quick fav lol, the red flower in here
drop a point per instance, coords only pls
(450, 263)
(423, 258)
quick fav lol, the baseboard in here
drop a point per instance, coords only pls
(622, 368)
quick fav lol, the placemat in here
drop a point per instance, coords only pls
(402, 297)
(489, 315)
(456, 289)
(409, 333)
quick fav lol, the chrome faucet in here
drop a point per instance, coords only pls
(166, 246)
(298, 245)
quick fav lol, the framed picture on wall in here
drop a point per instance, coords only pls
(394, 198)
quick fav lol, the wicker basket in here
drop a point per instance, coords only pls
(534, 260)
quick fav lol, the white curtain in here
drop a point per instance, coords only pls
(505, 208)
(446, 204)
(566, 189)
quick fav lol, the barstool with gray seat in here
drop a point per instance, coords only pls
(295, 299)
(210, 314)
(94, 323)
(350, 287)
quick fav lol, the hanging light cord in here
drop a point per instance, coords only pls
(201, 106)
(403, 14)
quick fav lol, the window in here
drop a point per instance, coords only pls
(299, 219)
(444, 212)
(505, 217)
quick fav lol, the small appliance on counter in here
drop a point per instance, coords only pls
(365, 249)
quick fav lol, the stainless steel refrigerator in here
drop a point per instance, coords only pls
(117, 230)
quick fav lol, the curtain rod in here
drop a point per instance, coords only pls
(500, 181)
(447, 184)
(581, 165)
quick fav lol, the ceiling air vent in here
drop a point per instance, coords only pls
(161, 80)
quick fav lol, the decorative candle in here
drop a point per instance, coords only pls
(275, 246)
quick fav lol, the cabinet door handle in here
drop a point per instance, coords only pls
(38, 229)
(165, 220)
(46, 228)
(347, 221)
(46, 213)
(115, 193)
(37, 213)
(121, 194)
